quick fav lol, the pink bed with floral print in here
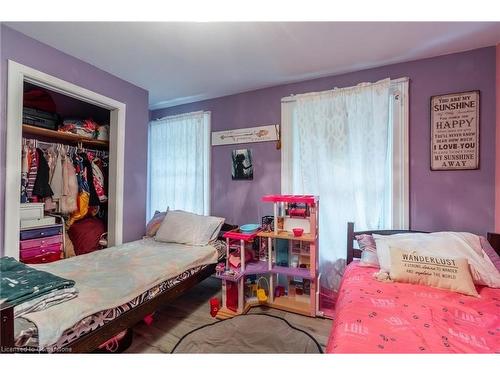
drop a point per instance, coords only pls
(376, 317)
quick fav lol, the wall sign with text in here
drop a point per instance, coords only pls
(246, 135)
(455, 131)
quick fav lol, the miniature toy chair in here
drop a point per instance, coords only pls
(261, 292)
(261, 295)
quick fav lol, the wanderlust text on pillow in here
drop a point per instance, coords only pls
(451, 245)
(414, 258)
(439, 272)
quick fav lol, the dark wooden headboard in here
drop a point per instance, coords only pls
(352, 252)
(494, 240)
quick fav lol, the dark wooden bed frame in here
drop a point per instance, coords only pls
(91, 341)
(355, 253)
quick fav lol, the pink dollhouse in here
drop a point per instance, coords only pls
(276, 267)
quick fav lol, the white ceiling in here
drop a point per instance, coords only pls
(186, 62)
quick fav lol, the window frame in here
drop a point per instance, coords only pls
(400, 155)
(206, 172)
(400, 201)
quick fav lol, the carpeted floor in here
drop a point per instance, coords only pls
(255, 333)
(191, 310)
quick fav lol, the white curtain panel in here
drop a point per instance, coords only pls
(179, 163)
(336, 146)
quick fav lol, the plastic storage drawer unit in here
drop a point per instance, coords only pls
(41, 232)
(48, 257)
(31, 211)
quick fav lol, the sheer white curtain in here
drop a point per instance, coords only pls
(337, 144)
(179, 163)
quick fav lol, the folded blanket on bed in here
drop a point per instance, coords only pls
(45, 301)
(29, 289)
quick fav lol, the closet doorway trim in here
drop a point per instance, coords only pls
(17, 75)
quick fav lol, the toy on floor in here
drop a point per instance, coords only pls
(214, 306)
(117, 344)
(148, 319)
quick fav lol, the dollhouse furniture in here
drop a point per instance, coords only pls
(233, 279)
(282, 270)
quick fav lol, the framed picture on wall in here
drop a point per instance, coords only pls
(455, 131)
(242, 167)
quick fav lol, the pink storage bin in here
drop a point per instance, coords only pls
(44, 258)
(41, 242)
(39, 251)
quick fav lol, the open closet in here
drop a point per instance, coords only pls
(65, 176)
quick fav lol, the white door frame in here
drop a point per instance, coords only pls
(17, 75)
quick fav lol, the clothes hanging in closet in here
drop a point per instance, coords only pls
(56, 178)
(70, 186)
(24, 174)
(54, 160)
(93, 199)
(69, 180)
(50, 156)
(32, 171)
(41, 188)
(99, 168)
(99, 179)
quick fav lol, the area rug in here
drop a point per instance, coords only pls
(254, 333)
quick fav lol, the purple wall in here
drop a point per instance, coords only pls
(454, 200)
(27, 51)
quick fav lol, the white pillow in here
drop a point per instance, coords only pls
(437, 272)
(188, 228)
(442, 244)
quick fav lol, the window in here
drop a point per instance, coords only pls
(179, 163)
(350, 147)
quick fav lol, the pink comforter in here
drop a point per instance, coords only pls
(375, 317)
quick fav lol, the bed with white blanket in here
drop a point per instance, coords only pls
(113, 284)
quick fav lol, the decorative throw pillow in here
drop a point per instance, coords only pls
(442, 244)
(155, 222)
(85, 235)
(366, 242)
(188, 228)
(368, 249)
(438, 272)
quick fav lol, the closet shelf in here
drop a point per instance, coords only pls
(67, 137)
